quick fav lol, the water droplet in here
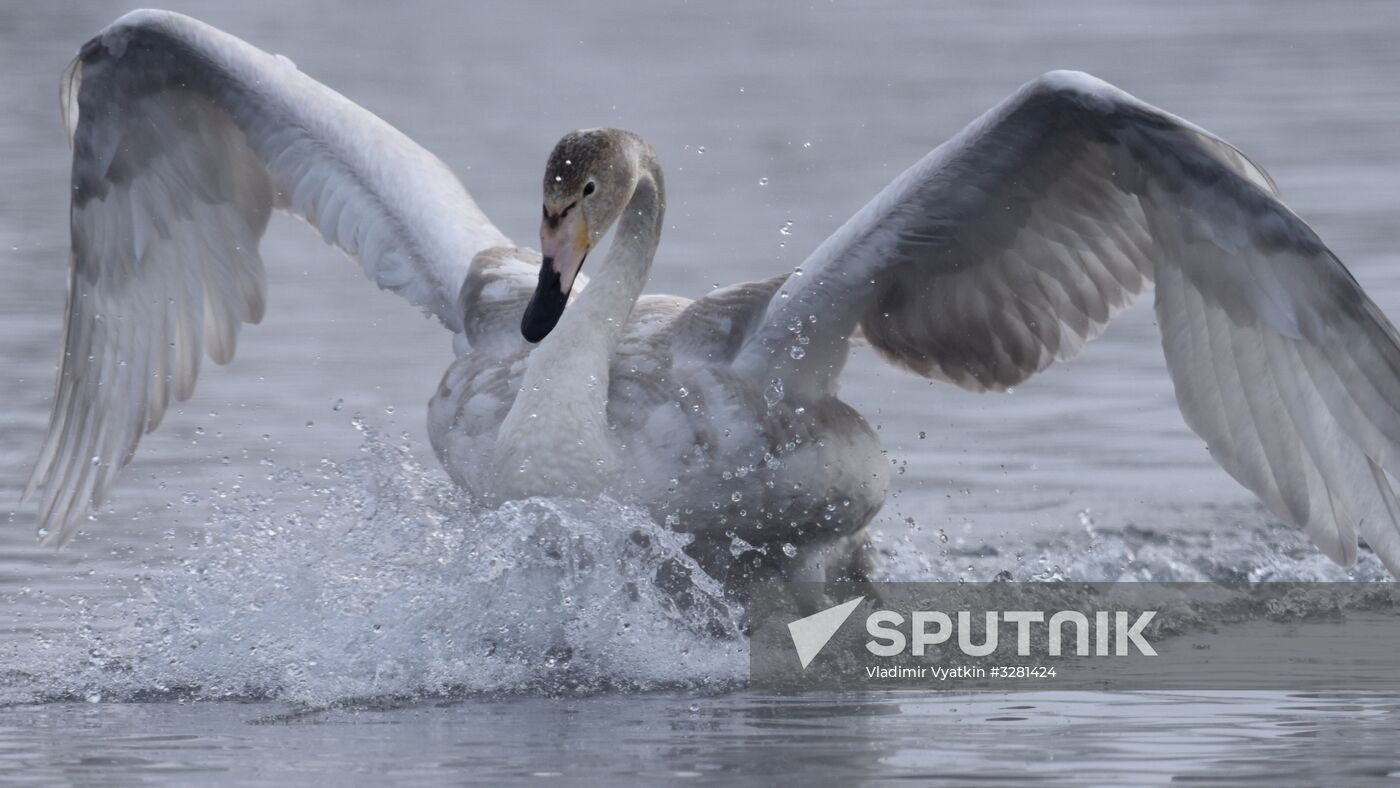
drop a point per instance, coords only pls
(786, 229)
(773, 392)
(789, 549)
(806, 144)
(340, 403)
(388, 408)
(797, 352)
(684, 393)
(763, 181)
(736, 497)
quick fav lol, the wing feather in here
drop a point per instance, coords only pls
(184, 139)
(1017, 241)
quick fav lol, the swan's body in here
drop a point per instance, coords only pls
(1004, 249)
(643, 388)
(708, 451)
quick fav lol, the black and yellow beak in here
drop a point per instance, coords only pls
(565, 242)
(547, 304)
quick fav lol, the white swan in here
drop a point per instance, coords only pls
(1004, 249)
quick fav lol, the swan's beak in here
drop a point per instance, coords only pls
(565, 243)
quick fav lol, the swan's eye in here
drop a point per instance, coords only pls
(588, 188)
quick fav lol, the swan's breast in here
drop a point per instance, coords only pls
(479, 389)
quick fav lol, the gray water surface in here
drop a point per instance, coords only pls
(264, 549)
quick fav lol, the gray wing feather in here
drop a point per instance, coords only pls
(184, 139)
(713, 328)
(1018, 240)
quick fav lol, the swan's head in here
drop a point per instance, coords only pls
(588, 181)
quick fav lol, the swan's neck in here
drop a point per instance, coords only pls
(556, 439)
(596, 318)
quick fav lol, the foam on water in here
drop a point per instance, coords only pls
(377, 578)
(1228, 545)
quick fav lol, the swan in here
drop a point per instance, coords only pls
(1004, 249)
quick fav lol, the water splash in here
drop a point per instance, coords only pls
(378, 578)
(382, 579)
(1225, 547)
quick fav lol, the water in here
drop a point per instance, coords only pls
(895, 738)
(281, 589)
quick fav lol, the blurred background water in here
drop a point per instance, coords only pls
(774, 122)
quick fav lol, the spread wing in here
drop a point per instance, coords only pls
(184, 139)
(1018, 240)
